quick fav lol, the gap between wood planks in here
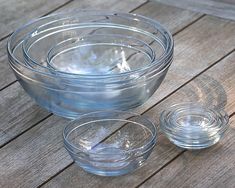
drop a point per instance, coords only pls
(164, 97)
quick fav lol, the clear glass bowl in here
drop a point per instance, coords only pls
(110, 143)
(193, 126)
(85, 61)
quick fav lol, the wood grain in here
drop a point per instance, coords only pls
(14, 120)
(213, 82)
(167, 14)
(213, 167)
(28, 115)
(111, 5)
(13, 13)
(220, 8)
(24, 162)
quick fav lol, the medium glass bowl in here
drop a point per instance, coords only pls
(85, 61)
(110, 143)
(193, 126)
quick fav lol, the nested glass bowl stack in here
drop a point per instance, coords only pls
(78, 62)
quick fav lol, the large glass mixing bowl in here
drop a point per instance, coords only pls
(84, 61)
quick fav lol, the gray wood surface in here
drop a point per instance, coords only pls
(13, 13)
(31, 149)
(214, 83)
(221, 8)
(18, 113)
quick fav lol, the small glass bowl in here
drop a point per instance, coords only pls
(110, 143)
(193, 126)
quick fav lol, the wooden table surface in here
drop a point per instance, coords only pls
(31, 148)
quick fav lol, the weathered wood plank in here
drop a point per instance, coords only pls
(213, 167)
(212, 83)
(11, 116)
(14, 12)
(111, 5)
(15, 114)
(163, 16)
(30, 168)
(167, 15)
(211, 7)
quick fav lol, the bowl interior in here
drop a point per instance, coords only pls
(100, 54)
(111, 136)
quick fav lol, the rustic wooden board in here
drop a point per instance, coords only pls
(212, 167)
(167, 15)
(11, 116)
(25, 162)
(223, 9)
(213, 82)
(107, 5)
(27, 114)
(13, 13)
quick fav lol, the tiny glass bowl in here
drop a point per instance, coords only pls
(193, 126)
(110, 143)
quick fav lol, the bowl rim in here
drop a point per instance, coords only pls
(150, 21)
(142, 149)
